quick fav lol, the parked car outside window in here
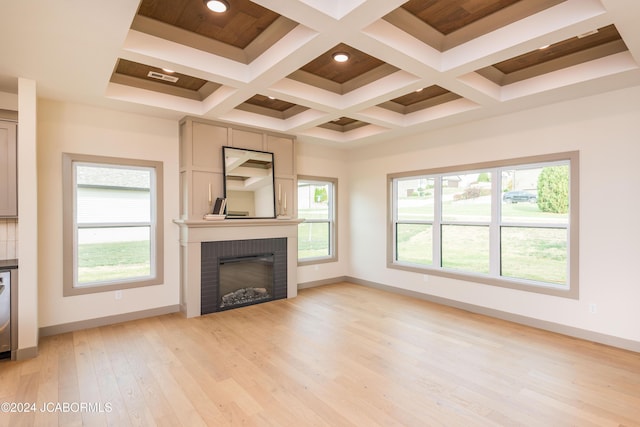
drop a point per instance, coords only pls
(519, 196)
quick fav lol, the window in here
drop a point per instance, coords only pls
(112, 223)
(510, 223)
(317, 206)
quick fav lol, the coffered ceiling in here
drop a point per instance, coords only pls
(414, 65)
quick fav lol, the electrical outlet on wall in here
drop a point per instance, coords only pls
(593, 308)
(118, 295)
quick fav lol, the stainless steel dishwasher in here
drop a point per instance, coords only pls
(5, 311)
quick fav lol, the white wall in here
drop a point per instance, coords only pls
(64, 127)
(316, 160)
(27, 225)
(604, 129)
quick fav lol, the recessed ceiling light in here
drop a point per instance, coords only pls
(271, 97)
(544, 47)
(341, 57)
(217, 6)
(166, 70)
(588, 33)
(419, 90)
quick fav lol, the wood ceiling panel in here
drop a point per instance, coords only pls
(238, 27)
(425, 94)
(276, 108)
(417, 101)
(344, 121)
(344, 124)
(558, 50)
(445, 24)
(447, 16)
(272, 104)
(341, 72)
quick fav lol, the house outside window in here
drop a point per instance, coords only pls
(112, 223)
(317, 206)
(511, 223)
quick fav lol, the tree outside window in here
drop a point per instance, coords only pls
(316, 205)
(505, 223)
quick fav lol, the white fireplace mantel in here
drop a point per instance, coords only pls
(193, 233)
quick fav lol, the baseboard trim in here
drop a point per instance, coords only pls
(27, 353)
(313, 284)
(24, 353)
(107, 320)
(570, 331)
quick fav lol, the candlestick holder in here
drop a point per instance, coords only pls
(282, 210)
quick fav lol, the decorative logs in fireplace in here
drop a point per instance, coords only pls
(237, 273)
(245, 280)
(245, 296)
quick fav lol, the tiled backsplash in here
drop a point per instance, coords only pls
(8, 238)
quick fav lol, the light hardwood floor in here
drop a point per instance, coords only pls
(338, 355)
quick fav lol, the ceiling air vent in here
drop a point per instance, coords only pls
(160, 76)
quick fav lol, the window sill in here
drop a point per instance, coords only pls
(111, 286)
(503, 282)
(319, 260)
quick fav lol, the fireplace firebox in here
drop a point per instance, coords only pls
(245, 280)
(238, 273)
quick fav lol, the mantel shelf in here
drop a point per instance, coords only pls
(236, 222)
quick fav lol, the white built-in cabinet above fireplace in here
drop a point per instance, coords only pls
(201, 162)
(201, 169)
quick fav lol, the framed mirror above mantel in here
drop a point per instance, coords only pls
(202, 165)
(249, 189)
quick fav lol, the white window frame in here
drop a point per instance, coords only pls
(331, 221)
(494, 277)
(71, 227)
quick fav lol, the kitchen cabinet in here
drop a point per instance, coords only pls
(8, 170)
